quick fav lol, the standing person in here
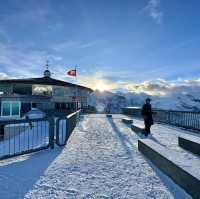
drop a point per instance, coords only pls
(147, 115)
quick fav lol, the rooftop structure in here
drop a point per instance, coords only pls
(18, 96)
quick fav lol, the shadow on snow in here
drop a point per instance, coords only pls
(125, 142)
(17, 178)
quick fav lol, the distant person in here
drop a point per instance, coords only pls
(108, 108)
(147, 115)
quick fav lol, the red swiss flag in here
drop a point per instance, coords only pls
(72, 72)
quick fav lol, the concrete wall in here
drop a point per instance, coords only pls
(167, 162)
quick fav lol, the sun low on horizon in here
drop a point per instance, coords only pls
(101, 86)
(97, 82)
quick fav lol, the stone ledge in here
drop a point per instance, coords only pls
(190, 143)
(127, 121)
(181, 170)
(136, 129)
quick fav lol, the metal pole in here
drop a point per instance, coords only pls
(51, 131)
(76, 89)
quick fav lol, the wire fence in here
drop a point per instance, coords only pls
(188, 120)
(18, 137)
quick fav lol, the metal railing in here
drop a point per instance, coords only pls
(188, 120)
(18, 137)
(23, 136)
(65, 126)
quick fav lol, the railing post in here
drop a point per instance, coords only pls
(168, 117)
(51, 131)
(67, 130)
(2, 131)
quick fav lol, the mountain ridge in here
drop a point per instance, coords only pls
(182, 99)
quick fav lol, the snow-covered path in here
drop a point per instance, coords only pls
(100, 161)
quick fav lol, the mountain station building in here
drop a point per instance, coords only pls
(19, 96)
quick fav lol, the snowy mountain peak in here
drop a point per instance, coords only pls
(184, 99)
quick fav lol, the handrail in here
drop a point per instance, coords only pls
(156, 109)
(186, 119)
(74, 113)
(65, 126)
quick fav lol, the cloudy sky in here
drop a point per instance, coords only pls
(140, 45)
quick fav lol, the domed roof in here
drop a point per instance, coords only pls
(47, 73)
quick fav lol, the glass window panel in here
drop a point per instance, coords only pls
(5, 89)
(15, 108)
(22, 89)
(58, 91)
(6, 108)
(42, 90)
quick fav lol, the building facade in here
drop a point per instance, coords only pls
(18, 96)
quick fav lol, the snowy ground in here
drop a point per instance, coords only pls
(167, 136)
(100, 161)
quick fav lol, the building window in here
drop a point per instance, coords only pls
(11, 108)
(22, 89)
(5, 109)
(15, 110)
(34, 105)
(5, 89)
(58, 91)
(58, 106)
(61, 106)
(25, 107)
(42, 90)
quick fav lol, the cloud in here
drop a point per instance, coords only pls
(74, 45)
(158, 87)
(18, 62)
(65, 45)
(4, 35)
(97, 81)
(4, 76)
(21, 62)
(56, 26)
(27, 13)
(162, 87)
(153, 10)
(148, 88)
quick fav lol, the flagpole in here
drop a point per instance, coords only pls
(76, 89)
(75, 92)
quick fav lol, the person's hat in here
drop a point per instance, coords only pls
(148, 99)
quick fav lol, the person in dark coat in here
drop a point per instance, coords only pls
(147, 115)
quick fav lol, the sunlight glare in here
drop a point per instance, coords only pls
(101, 86)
